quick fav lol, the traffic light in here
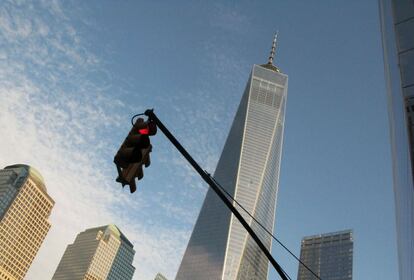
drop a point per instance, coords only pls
(135, 152)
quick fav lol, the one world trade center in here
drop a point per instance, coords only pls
(219, 247)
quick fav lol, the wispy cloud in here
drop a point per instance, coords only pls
(228, 17)
(59, 114)
(54, 116)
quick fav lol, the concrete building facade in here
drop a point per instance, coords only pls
(25, 208)
(100, 253)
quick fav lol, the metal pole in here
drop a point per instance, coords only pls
(213, 185)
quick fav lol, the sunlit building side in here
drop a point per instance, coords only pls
(25, 208)
(397, 28)
(102, 253)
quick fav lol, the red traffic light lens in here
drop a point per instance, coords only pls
(144, 131)
(150, 129)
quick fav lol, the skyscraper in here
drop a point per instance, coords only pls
(397, 28)
(219, 247)
(25, 207)
(328, 255)
(101, 253)
(159, 276)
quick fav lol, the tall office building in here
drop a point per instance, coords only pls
(327, 255)
(25, 207)
(101, 253)
(219, 247)
(397, 28)
(159, 276)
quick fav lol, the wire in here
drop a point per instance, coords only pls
(265, 229)
(134, 116)
(287, 275)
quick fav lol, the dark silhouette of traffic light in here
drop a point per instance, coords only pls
(134, 153)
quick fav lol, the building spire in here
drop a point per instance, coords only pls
(269, 64)
(273, 50)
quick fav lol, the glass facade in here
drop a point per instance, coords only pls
(328, 255)
(397, 28)
(122, 267)
(219, 247)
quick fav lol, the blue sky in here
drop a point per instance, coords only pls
(72, 74)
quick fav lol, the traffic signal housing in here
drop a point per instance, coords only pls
(134, 153)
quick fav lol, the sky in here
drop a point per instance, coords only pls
(72, 73)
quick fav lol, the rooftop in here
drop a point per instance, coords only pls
(33, 173)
